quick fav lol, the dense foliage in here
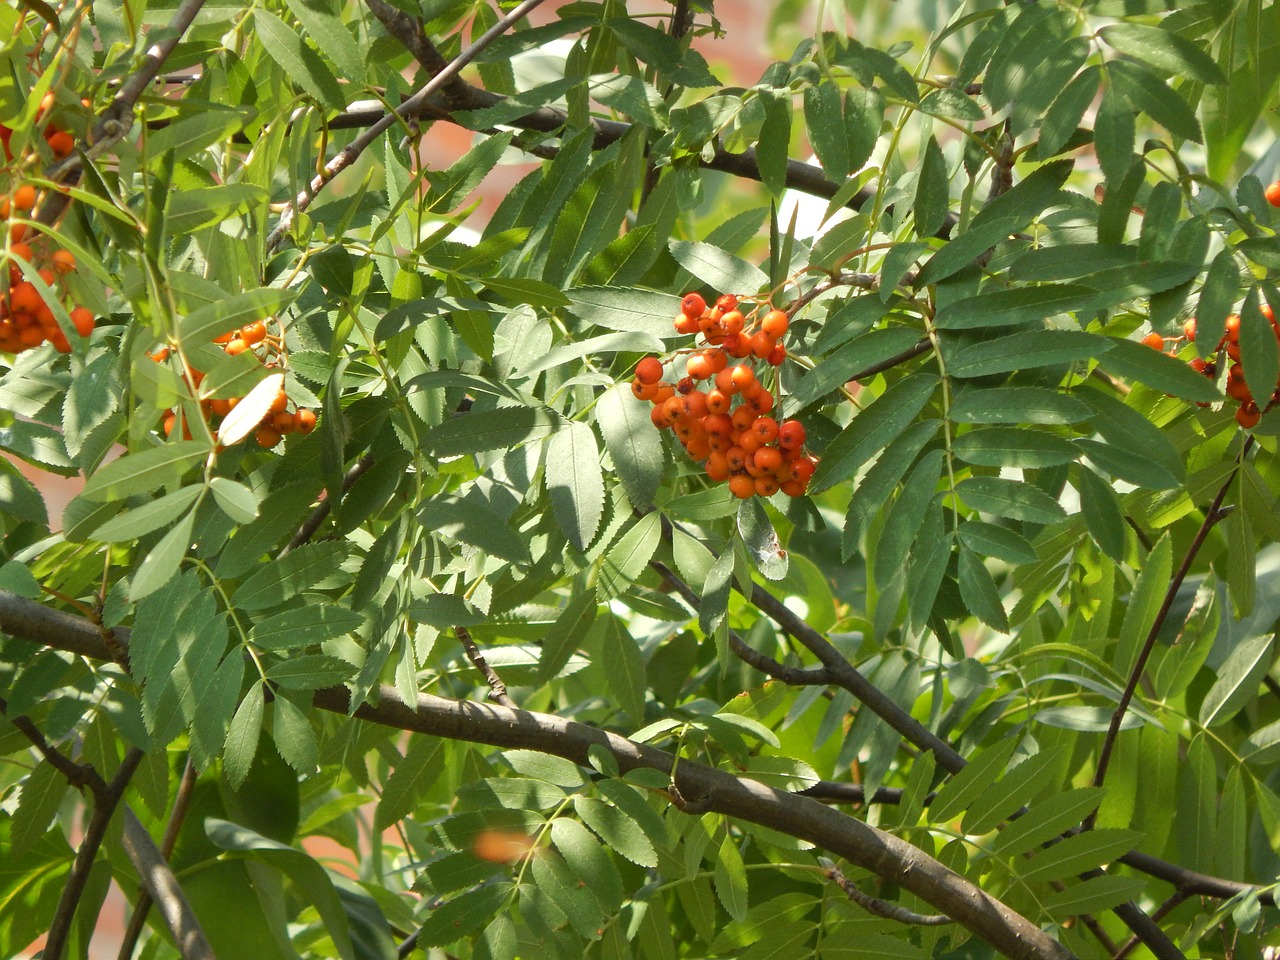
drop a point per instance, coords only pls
(446, 582)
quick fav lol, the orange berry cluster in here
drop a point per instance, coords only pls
(1248, 413)
(727, 427)
(268, 348)
(26, 317)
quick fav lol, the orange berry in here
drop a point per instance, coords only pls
(266, 437)
(742, 377)
(24, 198)
(1248, 414)
(718, 401)
(686, 324)
(791, 435)
(235, 346)
(279, 402)
(766, 486)
(304, 420)
(700, 367)
(765, 429)
(693, 305)
(1154, 341)
(643, 391)
(252, 333)
(717, 467)
(726, 302)
(776, 355)
(1189, 329)
(82, 317)
(61, 143)
(767, 459)
(762, 344)
(742, 486)
(25, 298)
(1233, 328)
(219, 406)
(775, 323)
(64, 261)
(1273, 194)
(649, 370)
(283, 423)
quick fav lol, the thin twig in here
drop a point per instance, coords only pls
(1158, 914)
(348, 154)
(176, 816)
(105, 802)
(317, 516)
(1212, 516)
(497, 689)
(881, 908)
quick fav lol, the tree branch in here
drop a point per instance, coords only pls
(348, 154)
(885, 855)
(179, 812)
(497, 689)
(1211, 518)
(881, 908)
(163, 887)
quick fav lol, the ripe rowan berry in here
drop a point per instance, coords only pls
(791, 435)
(742, 486)
(1154, 341)
(64, 261)
(733, 322)
(267, 436)
(693, 305)
(767, 459)
(61, 143)
(718, 401)
(1189, 329)
(82, 318)
(649, 370)
(762, 344)
(1273, 193)
(253, 333)
(765, 485)
(742, 377)
(686, 324)
(235, 346)
(643, 391)
(1233, 328)
(775, 323)
(766, 429)
(726, 302)
(24, 198)
(1248, 415)
(700, 366)
(776, 355)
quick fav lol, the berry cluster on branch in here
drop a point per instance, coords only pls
(37, 269)
(258, 340)
(727, 427)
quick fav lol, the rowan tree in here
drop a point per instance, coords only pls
(621, 557)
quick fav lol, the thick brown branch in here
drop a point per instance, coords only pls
(888, 857)
(163, 888)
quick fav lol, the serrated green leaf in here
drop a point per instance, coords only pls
(1163, 49)
(471, 521)
(1013, 447)
(304, 626)
(731, 879)
(1019, 305)
(136, 523)
(1025, 350)
(234, 311)
(242, 737)
(632, 444)
(1009, 498)
(1093, 895)
(1238, 680)
(288, 576)
(624, 562)
(236, 500)
(965, 787)
(873, 429)
(624, 669)
(1079, 854)
(1045, 820)
(618, 831)
(299, 62)
(162, 563)
(490, 430)
(144, 471)
(574, 482)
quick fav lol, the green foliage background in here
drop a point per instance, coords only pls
(1020, 519)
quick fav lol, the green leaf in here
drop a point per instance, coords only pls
(824, 120)
(567, 633)
(905, 517)
(632, 444)
(879, 482)
(1238, 680)
(1008, 795)
(192, 210)
(617, 830)
(1013, 447)
(1113, 135)
(588, 861)
(574, 482)
(990, 540)
(624, 669)
(91, 398)
(137, 523)
(188, 135)
(1144, 604)
(1017, 405)
(1145, 90)
(626, 560)
(861, 353)
(1137, 361)
(294, 739)
(979, 592)
(965, 787)
(731, 879)
(873, 429)
(242, 737)
(325, 27)
(1196, 816)
(1013, 307)
(760, 539)
(932, 191)
(236, 500)
(144, 471)
(299, 62)
(1103, 515)
(1063, 117)
(462, 916)
(715, 594)
(626, 308)
(310, 672)
(163, 562)
(422, 765)
(1009, 498)
(310, 877)
(1164, 50)
(1024, 351)
(304, 626)
(490, 430)
(718, 268)
(1079, 854)
(1093, 895)
(287, 576)
(471, 521)
(1046, 820)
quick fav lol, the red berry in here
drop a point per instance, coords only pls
(693, 305)
(1273, 194)
(649, 370)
